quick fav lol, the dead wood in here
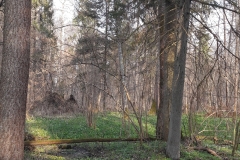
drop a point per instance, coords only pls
(68, 141)
(207, 150)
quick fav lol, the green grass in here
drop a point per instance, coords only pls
(107, 126)
(111, 126)
(220, 128)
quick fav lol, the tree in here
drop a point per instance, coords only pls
(42, 50)
(166, 54)
(14, 78)
(1, 31)
(173, 143)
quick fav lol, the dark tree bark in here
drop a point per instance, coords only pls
(173, 143)
(14, 78)
(166, 53)
(1, 32)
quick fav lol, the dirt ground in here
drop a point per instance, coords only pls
(76, 152)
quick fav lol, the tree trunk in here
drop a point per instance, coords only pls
(122, 77)
(14, 78)
(1, 32)
(105, 56)
(166, 53)
(236, 90)
(173, 143)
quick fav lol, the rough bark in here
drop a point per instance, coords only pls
(14, 78)
(105, 56)
(1, 32)
(173, 143)
(166, 55)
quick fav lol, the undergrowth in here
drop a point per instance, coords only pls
(111, 125)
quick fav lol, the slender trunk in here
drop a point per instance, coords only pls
(105, 57)
(156, 99)
(157, 74)
(1, 32)
(226, 56)
(122, 76)
(237, 66)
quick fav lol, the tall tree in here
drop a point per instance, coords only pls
(14, 78)
(42, 50)
(173, 143)
(1, 31)
(166, 54)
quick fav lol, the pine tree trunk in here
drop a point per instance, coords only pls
(14, 78)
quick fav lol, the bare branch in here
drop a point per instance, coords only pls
(214, 5)
(215, 37)
(232, 28)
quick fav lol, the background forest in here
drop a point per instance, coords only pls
(119, 56)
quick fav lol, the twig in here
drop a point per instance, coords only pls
(215, 5)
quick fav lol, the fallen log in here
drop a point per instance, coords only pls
(207, 150)
(68, 141)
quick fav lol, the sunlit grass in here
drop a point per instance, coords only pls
(105, 126)
(112, 125)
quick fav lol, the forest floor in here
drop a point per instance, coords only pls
(111, 125)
